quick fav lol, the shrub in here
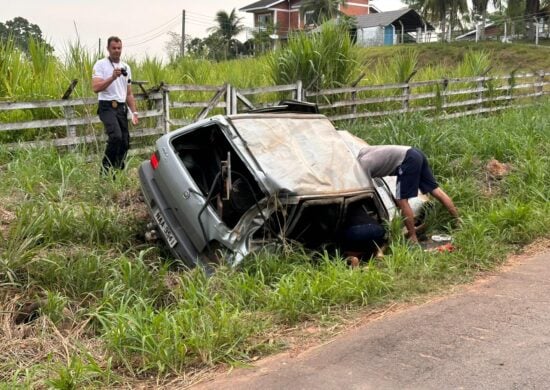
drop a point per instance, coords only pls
(323, 59)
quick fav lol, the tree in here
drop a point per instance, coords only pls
(532, 9)
(173, 44)
(196, 48)
(480, 8)
(322, 10)
(262, 39)
(229, 26)
(442, 11)
(21, 31)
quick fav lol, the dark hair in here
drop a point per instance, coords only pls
(112, 39)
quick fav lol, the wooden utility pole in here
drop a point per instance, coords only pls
(182, 49)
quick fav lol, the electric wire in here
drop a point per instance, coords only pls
(157, 35)
(152, 30)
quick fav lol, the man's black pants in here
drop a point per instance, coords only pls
(115, 121)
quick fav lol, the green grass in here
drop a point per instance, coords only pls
(504, 57)
(75, 244)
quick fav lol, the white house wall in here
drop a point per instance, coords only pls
(370, 36)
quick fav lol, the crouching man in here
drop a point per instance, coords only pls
(413, 173)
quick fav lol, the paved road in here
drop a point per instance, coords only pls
(493, 335)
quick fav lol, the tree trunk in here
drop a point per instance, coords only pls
(482, 32)
(532, 8)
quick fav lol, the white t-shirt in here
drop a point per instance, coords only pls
(118, 89)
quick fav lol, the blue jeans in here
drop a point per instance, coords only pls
(363, 238)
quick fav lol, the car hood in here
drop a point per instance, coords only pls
(299, 154)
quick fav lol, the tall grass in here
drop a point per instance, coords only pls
(324, 59)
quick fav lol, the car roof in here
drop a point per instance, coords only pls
(301, 154)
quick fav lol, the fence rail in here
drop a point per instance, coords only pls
(69, 122)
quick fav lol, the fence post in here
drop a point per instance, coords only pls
(233, 100)
(70, 114)
(539, 85)
(166, 110)
(354, 93)
(480, 92)
(481, 86)
(228, 90)
(443, 94)
(299, 91)
(159, 105)
(407, 92)
(69, 110)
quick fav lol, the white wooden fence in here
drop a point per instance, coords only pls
(69, 122)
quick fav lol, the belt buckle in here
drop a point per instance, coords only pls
(114, 103)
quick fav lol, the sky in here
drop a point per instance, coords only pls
(143, 25)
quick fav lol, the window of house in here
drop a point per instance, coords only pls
(264, 20)
(309, 18)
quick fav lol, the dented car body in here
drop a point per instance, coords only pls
(238, 183)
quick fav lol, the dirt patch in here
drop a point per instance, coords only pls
(133, 204)
(493, 173)
(6, 218)
(28, 343)
(497, 170)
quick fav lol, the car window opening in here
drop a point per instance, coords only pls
(213, 163)
(319, 224)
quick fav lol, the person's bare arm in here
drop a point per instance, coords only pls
(131, 102)
(408, 214)
(446, 201)
(99, 84)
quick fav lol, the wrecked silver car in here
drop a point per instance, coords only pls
(237, 183)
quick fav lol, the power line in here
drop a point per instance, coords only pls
(167, 29)
(154, 29)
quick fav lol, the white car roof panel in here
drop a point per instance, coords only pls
(302, 154)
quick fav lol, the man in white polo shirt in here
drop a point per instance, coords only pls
(111, 80)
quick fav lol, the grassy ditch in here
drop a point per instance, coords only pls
(112, 310)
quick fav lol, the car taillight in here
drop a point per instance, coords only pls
(155, 160)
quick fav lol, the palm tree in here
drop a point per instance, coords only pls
(322, 9)
(229, 26)
(457, 9)
(532, 9)
(480, 8)
(440, 10)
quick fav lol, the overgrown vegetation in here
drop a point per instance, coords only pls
(43, 76)
(326, 59)
(112, 309)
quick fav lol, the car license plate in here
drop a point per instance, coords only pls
(170, 238)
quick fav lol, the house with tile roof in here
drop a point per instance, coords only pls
(285, 14)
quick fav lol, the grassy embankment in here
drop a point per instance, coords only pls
(42, 76)
(113, 310)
